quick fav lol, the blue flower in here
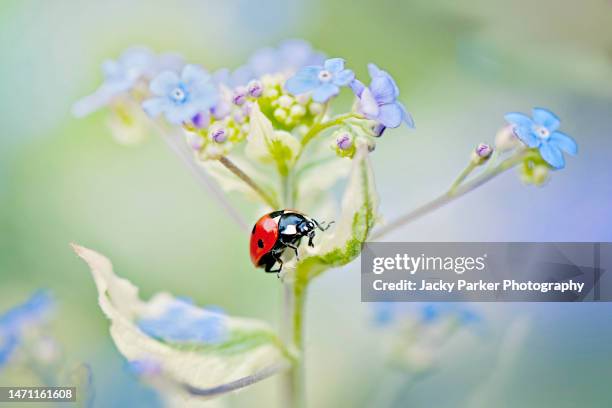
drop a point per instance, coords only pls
(541, 132)
(123, 74)
(386, 313)
(183, 322)
(324, 81)
(181, 98)
(16, 320)
(288, 57)
(379, 101)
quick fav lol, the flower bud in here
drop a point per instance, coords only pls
(302, 99)
(505, 139)
(200, 120)
(484, 151)
(316, 108)
(297, 111)
(240, 95)
(344, 141)
(540, 175)
(285, 101)
(270, 93)
(280, 114)
(255, 88)
(194, 140)
(344, 144)
(218, 134)
(481, 154)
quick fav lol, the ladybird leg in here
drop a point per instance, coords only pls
(295, 248)
(311, 236)
(276, 259)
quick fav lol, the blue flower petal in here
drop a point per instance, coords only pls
(368, 105)
(552, 155)
(194, 74)
(383, 89)
(154, 106)
(391, 115)
(406, 116)
(182, 322)
(304, 81)
(334, 65)
(563, 142)
(526, 136)
(324, 92)
(177, 114)
(357, 86)
(344, 77)
(374, 71)
(546, 118)
(204, 102)
(519, 119)
(164, 83)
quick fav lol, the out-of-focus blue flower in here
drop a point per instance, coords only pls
(379, 101)
(15, 321)
(290, 56)
(324, 81)
(386, 313)
(181, 98)
(182, 322)
(146, 368)
(123, 74)
(432, 312)
(541, 132)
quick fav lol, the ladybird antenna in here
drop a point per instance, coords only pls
(321, 225)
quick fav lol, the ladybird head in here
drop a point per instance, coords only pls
(305, 227)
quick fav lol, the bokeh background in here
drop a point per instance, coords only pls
(460, 66)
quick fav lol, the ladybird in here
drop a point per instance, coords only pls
(277, 231)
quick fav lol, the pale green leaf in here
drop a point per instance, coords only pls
(341, 245)
(251, 351)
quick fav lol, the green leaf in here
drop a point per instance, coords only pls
(249, 353)
(357, 218)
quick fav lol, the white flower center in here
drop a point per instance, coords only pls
(178, 94)
(325, 76)
(542, 132)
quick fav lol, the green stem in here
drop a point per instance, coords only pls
(463, 175)
(268, 199)
(293, 379)
(454, 194)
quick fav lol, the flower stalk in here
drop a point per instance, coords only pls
(456, 191)
(231, 166)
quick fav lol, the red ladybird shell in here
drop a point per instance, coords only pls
(263, 237)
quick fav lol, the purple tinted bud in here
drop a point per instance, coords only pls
(255, 89)
(484, 150)
(219, 135)
(246, 108)
(378, 129)
(201, 120)
(240, 95)
(344, 141)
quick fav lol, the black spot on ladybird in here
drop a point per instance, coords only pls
(260, 243)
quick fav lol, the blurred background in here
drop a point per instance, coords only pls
(460, 67)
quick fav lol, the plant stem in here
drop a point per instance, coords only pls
(463, 175)
(231, 166)
(453, 194)
(291, 334)
(187, 157)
